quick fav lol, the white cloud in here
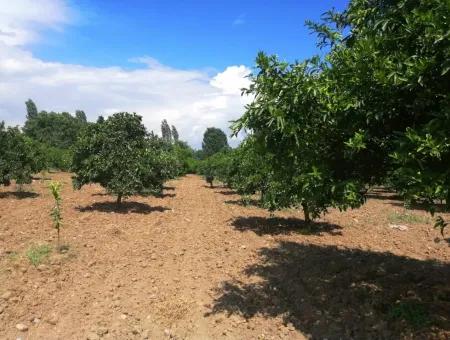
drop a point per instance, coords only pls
(192, 100)
(21, 20)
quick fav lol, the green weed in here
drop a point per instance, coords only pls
(406, 217)
(36, 254)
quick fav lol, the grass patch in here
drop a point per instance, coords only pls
(36, 254)
(406, 217)
(414, 313)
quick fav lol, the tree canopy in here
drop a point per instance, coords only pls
(32, 110)
(374, 110)
(16, 161)
(122, 157)
(54, 129)
(214, 140)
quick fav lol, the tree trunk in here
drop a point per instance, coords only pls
(58, 244)
(119, 200)
(447, 200)
(306, 213)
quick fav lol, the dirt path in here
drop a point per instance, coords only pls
(195, 264)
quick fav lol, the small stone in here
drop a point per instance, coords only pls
(102, 331)
(123, 317)
(22, 327)
(41, 267)
(92, 263)
(52, 319)
(2, 309)
(167, 332)
(92, 336)
(153, 257)
(87, 276)
(398, 227)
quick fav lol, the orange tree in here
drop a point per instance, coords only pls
(122, 157)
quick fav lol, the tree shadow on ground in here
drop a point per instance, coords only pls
(226, 192)
(397, 200)
(101, 194)
(168, 188)
(163, 195)
(336, 293)
(244, 203)
(125, 208)
(383, 196)
(18, 194)
(280, 225)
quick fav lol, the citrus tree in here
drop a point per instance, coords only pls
(389, 70)
(374, 110)
(122, 157)
(16, 161)
(305, 153)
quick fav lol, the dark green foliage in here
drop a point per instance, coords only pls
(214, 141)
(393, 74)
(59, 130)
(81, 116)
(305, 154)
(16, 161)
(100, 119)
(249, 172)
(32, 111)
(166, 132)
(216, 167)
(374, 109)
(175, 135)
(122, 157)
(185, 154)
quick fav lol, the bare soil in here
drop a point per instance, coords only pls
(198, 264)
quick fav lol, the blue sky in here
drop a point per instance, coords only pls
(184, 34)
(184, 61)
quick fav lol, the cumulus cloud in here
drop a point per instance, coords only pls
(21, 20)
(192, 100)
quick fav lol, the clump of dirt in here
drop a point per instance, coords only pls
(197, 263)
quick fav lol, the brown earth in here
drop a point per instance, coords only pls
(197, 264)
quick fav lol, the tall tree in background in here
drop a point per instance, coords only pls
(100, 119)
(54, 129)
(166, 133)
(32, 111)
(81, 116)
(175, 135)
(214, 140)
